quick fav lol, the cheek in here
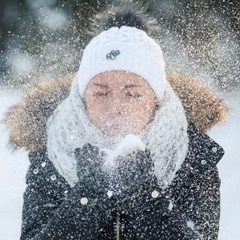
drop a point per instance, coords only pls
(93, 106)
(101, 112)
(142, 109)
(94, 110)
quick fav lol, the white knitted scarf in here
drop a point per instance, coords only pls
(166, 137)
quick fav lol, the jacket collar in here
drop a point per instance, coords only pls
(202, 157)
(203, 152)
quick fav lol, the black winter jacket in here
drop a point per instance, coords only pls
(188, 209)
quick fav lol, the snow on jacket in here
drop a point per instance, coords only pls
(187, 209)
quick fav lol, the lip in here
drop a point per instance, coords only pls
(113, 128)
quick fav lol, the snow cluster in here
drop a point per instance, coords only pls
(127, 145)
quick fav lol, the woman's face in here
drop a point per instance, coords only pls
(119, 102)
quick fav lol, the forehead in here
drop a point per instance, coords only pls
(117, 77)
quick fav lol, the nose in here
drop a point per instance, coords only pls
(116, 106)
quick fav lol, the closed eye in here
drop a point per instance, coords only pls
(100, 94)
(133, 95)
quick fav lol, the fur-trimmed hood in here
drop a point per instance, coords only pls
(27, 120)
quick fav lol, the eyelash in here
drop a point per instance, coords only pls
(134, 95)
(100, 94)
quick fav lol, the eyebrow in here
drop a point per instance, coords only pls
(106, 86)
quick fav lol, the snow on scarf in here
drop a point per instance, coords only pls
(166, 137)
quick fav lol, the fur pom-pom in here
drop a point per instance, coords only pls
(124, 13)
(129, 19)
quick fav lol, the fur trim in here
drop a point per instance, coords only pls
(26, 121)
(203, 108)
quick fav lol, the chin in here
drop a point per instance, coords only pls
(115, 131)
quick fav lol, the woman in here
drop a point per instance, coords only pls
(121, 155)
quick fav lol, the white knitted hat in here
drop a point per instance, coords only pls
(125, 48)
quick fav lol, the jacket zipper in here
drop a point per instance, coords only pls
(118, 223)
(118, 227)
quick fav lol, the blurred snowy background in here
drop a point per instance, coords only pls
(41, 39)
(13, 168)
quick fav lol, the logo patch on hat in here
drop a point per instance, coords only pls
(113, 54)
